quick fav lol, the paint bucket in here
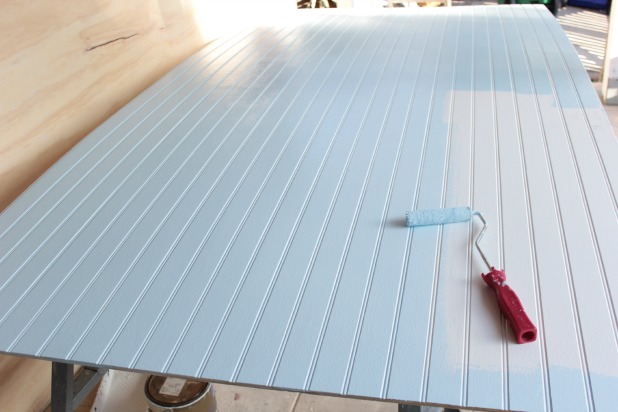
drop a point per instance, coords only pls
(167, 394)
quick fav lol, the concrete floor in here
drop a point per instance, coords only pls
(587, 30)
(123, 391)
(612, 111)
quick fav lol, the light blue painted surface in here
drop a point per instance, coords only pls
(243, 220)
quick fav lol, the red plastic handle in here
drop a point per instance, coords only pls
(511, 306)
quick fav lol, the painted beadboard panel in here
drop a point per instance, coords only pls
(242, 220)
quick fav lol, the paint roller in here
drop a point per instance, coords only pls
(508, 302)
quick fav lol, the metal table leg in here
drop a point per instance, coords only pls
(69, 391)
(418, 408)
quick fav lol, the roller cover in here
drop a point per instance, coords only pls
(438, 216)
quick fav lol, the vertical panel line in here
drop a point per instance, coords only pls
(402, 277)
(532, 239)
(467, 336)
(438, 254)
(504, 330)
(565, 254)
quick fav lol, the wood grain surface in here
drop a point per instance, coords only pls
(67, 66)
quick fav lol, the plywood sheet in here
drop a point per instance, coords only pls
(242, 220)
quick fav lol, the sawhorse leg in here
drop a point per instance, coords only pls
(67, 391)
(418, 408)
(409, 408)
